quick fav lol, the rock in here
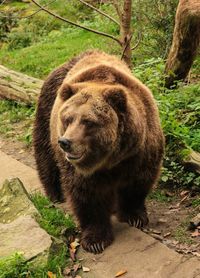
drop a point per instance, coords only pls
(11, 168)
(23, 235)
(14, 201)
(140, 255)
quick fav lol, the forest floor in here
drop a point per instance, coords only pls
(170, 211)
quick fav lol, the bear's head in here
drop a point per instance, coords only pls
(89, 124)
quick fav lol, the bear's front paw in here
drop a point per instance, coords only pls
(96, 240)
(136, 219)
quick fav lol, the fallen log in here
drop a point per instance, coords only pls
(186, 40)
(19, 87)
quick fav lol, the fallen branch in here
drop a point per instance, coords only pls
(19, 87)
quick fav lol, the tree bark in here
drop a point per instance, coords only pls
(186, 40)
(125, 31)
(19, 87)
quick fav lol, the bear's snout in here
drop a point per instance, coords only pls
(64, 143)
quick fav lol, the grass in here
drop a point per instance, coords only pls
(55, 50)
(159, 196)
(52, 219)
(196, 202)
(16, 120)
(16, 266)
(181, 233)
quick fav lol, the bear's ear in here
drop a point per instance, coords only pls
(117, 99)
(65, 92)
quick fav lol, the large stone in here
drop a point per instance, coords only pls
(23, 235)
(141, 256)
(11, 168)
(14, 201)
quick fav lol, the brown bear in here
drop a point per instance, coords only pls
(98, 143)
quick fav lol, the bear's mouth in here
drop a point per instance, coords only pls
(70, 156)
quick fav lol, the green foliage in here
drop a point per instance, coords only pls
(16, 266)
(37, 61)
(181, 233)
(13, 267)
(196, 202)
(155, 20)
(160, 196)
(179, 111)
(52, 219)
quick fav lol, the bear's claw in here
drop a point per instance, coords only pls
(96, 242)
(95, 248)
(138, 219)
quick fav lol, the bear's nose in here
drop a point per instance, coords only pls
(64, 143)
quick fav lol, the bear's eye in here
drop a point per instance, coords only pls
(68, 121)
(89, 123)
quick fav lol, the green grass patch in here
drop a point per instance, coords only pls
(16, 120)
(159, 196)
(196, 202)
(181, 233)
(41, 58)
(52, 219)
(16, 266)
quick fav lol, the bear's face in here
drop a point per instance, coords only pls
(88, 130)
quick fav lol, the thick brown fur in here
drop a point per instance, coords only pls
(116, 143)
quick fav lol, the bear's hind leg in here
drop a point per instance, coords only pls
(131, 205)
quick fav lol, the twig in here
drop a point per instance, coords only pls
(76, 24)
(99, 11)
(138, 42)
(116, 6)
(127, 43)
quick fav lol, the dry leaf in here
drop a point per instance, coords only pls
(120, 273)
(72, 254)
(85, 269)
(51, 274)
(74, 245)
(67, 271)
(76, 267)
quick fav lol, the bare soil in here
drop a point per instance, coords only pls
(169, 219)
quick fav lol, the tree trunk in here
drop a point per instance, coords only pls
(186, 39)
(125, 32)
(19, 87)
